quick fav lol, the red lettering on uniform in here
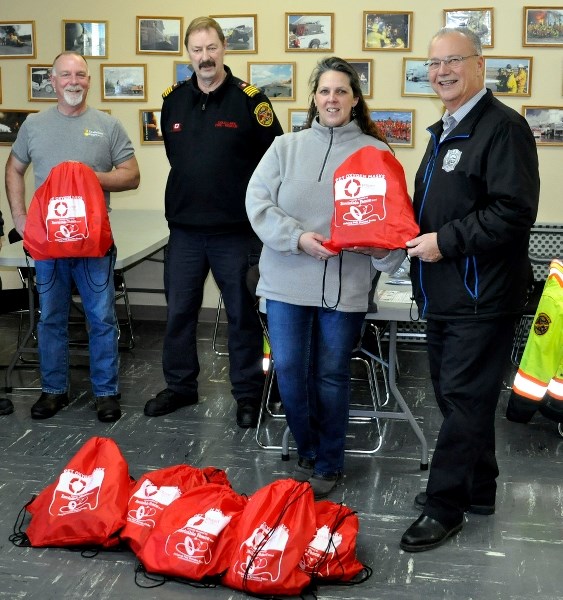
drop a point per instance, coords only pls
(227, 124)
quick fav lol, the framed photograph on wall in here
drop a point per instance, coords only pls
(39, 86)
(10, 123)
(396, 124)
(509, 75)
(149, 124)
(159, 35)
(240, 31)
(275, 79)
(546, 123)
(309, 32)
(387, 30)
(17, 40)
(124, 82)
(296, 119)
(543, 26)
(364, 68)
(182, 70)
(415, 78)
(0, 86)
(479, 20)
(88, 38)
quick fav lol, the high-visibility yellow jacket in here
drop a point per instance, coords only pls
(541, 368)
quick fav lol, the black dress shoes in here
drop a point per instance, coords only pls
(476, 509)
(6, 406)
(426, 533)
(168, 401)
(108, 408)
(247, 413)
(48, 405)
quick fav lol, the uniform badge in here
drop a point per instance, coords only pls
(542, 323)
(264, 114)
(450, 160)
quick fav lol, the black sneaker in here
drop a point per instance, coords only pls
(108, 408)
(167, 401)
(247, 413)
(48, 405)
(6, 406)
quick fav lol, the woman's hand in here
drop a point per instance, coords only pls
(311, 243)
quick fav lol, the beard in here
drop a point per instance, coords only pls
(71, 98)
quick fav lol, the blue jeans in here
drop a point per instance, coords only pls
(190, 255)
(312, 349)
(94, 280)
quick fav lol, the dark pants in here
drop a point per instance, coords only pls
(467, 364)
(189, 257)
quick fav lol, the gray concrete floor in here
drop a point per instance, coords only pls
(514, 554)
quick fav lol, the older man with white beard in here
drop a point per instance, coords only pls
(73, 131)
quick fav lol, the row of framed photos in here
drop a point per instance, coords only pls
(390, 30)
(504, 75)
(546, 123)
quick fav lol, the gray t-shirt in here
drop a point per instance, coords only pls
(94, 138)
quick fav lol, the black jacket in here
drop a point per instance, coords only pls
(479, 189)
(214, 142)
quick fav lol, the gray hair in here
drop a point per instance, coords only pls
(68, 53)
(468, 33)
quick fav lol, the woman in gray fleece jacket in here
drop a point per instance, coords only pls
(316, 300)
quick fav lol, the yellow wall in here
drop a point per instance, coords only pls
(546, 84)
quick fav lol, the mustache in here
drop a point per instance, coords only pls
(206, 63)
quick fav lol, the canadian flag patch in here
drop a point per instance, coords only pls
(177, 127)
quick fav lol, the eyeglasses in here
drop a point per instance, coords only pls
(451, 61)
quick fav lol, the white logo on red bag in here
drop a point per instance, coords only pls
(264, 550)
(148, 500)
(66, 219)
(76, 492)
(194, 541)
(320, 551)
(359, 199)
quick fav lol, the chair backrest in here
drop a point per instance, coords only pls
(546, 243)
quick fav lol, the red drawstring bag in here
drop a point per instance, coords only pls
(274, 530)
(68, 217)
(195, 536)
(372, 207)
(215, 475)
(153, 492)
(86, 506)
(331, 554)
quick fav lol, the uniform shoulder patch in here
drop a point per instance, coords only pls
(248, 88)
(170, 89)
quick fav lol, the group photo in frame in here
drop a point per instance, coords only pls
(543, 26)
(149, 124)
(88, 38)
(396, 124)
(182, 70)
(415, 78)
(275, 79)
(479, 20)
(124, 82)
(241, 35)
(509, 75)
(387, 30)
(10, 123)
(296, 119)
(159, 35)
(306, 32)
(17, 40)
(364, 69)
(546, 123)
(39, 84)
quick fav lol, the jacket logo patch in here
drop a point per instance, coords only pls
(451, 159)
(264, 114)
(177, 127)
(542, 323)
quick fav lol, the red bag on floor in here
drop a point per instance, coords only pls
(87, 504)
(274, 530)
(331, 554)
(372, 207)
(195, 536)
(151, 495)
(68, 217)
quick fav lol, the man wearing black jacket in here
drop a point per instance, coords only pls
(215, 129)
(476, 198)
